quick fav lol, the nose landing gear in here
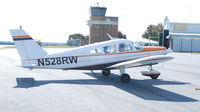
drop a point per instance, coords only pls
(125, 78)
(154, 74)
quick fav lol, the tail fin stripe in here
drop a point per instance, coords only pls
(16, 39)
(24, 37)
(21, 36)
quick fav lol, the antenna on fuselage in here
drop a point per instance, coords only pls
(111, 38)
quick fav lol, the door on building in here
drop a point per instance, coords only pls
(186, 45)
(176, 44)
(195, 45)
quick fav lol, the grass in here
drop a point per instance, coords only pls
(12, 46)
(57, 46)
(7, 47)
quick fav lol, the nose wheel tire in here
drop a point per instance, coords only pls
(125, 78)
(105, 72)
(154, 76)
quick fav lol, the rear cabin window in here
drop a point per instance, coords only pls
(95, 51)
(106, 49)
(109, 49)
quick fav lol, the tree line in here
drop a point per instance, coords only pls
(82, 37)
(152, 33)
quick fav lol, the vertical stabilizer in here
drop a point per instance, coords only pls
(26, 46)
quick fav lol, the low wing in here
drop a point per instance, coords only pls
(142, 62)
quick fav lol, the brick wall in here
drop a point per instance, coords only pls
(98, 32)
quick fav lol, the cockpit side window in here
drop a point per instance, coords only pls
(109, 49)
(122, 47)
(125, 47)
(129, 47)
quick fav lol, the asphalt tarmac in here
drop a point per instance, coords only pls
(24, 90)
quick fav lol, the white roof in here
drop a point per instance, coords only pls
(198, 34)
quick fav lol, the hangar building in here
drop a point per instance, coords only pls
(184, 37)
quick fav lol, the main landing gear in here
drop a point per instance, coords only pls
(125, 78)
(154, 74)
(105, 72)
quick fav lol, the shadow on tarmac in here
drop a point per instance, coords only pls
(144, 89)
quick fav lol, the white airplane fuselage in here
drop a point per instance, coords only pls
(94, 57)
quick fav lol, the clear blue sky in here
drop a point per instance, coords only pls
(54, 20)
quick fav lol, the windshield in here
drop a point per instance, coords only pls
(137, 46)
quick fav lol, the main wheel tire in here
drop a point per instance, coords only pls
(154, 76)
(125, 78)
(105, 72)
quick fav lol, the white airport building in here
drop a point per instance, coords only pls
(184, 37)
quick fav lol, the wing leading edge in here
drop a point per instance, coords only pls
(142, 62)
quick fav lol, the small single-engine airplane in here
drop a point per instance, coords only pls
(105, 56)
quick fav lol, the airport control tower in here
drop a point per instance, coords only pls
(100, 25)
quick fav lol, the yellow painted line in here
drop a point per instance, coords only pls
(196, 89)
